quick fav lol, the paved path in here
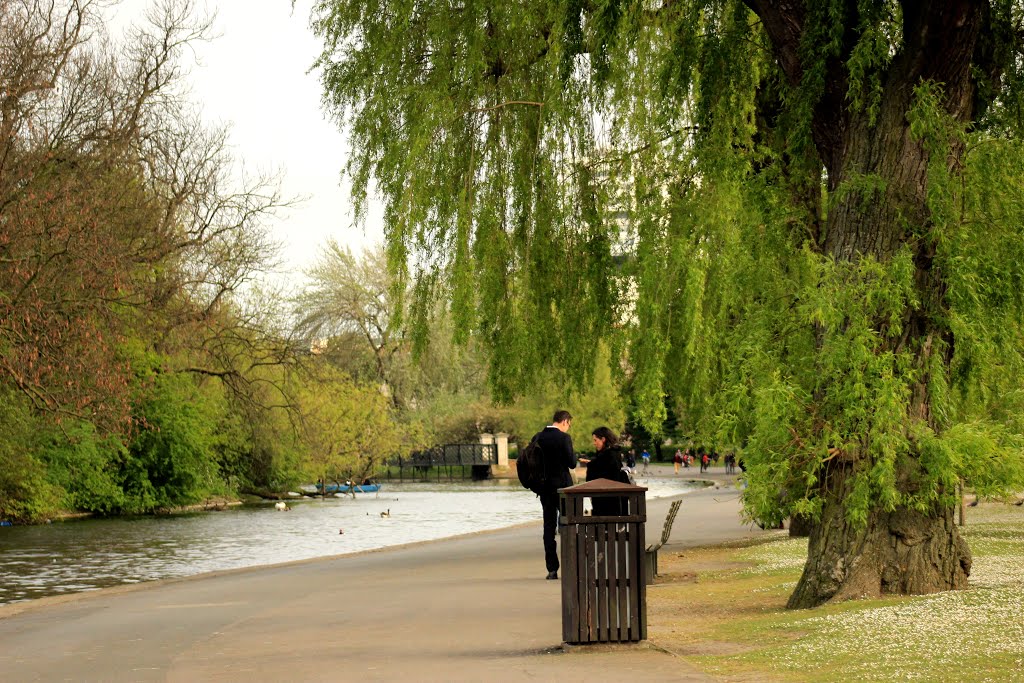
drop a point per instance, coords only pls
(475, 608)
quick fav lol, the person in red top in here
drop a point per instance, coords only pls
(677, 460)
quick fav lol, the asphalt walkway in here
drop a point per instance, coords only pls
(474, 608)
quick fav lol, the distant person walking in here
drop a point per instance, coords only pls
(677, 460)
(646, 457)
(559, 458)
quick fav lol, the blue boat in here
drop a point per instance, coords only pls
(348, 488)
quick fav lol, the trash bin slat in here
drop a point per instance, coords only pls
(581, 588)
(570, 582)
(591, 631)
(621, 550)
(640, 585)
(602, 584)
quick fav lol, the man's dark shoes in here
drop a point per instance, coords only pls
(553, 575)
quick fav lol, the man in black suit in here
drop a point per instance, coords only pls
(558, 458)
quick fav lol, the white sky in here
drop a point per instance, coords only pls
(253, 77)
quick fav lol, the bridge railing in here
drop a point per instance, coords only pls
(447, 456)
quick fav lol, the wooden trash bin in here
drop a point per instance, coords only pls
(604, 595)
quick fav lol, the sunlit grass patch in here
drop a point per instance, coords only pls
(975, 634)
(996, 536)
(944, 637)
(783, 554)
(929, 638)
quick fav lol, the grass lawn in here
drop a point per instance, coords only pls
(723, 610)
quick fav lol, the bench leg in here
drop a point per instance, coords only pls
(651, 569)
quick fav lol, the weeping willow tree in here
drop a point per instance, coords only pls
(803, 219)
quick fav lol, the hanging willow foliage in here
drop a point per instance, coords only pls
(802, 221)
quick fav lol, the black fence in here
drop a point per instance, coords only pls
(470, 460)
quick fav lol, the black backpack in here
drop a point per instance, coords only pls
(530, 467)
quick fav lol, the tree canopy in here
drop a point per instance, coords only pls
(802, 219)
(128, 354)
(145, 364)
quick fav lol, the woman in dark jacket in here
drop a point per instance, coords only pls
(607, 464)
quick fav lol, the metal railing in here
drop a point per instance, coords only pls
(442, 459)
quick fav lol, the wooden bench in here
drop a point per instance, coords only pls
(652, 550)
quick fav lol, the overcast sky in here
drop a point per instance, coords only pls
(253, 77)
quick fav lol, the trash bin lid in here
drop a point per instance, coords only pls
(599, 486)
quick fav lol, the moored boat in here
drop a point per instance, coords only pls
(348, 487)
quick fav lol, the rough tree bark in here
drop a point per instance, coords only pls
(902, 551)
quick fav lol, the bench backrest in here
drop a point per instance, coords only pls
(666, 530)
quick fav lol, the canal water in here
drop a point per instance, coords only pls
(74, 556)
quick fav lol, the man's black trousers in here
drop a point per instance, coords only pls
(549, 503)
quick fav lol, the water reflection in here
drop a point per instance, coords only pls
(89, 554)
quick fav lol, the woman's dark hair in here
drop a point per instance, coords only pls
(608, 435)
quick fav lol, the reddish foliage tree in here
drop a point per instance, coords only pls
(115, 211)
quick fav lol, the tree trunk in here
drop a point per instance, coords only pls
(877, 174)
(899, 552)
(902, 551)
